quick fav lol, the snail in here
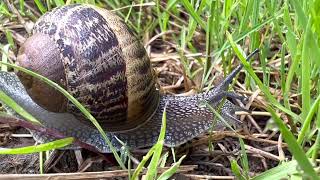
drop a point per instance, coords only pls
(92, 53)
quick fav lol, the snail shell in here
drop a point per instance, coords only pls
(92, 54)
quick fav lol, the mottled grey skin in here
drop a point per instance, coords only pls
(186, 118)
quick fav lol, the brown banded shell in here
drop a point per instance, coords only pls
(105, 66)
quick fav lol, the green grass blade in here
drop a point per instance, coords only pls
(316, 149)
(142, 163)
(305, 74)
(254, 38)
(293, 146)
(59, 2)
(16, 107)
(172, 170)
(163, 160)
(282, 72)
(139, 19)
(10, 39)
(217, 114)
(282, 171)
(293, 68)
(303, 21)
(245, 19)
(4, 10)
(193, 24)
(40, 6)
(193, 13)
(209, 39)
(244, 159)
(291, 38)
(21, 6)
(307, 122)
(236, 170)
(152, 168)
(263, 88)
(243, 35)
(39, 148)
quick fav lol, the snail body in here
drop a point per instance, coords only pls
(92, 54)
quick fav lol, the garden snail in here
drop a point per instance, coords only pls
(91, 53)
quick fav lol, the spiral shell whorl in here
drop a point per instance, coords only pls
(106, 68)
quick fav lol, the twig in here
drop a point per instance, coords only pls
(262, 153)
(157, 36)
(17, 135)
(195, 176)
(135, 5)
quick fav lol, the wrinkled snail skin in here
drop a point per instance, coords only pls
(108, 71)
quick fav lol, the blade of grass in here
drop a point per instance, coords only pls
(41, 162)
(291, 38)
(21, 6)
(236, 170)
(40, 6)
(152, 168)
(4, 10)
(139, 18)
(193, 13)
(162, 24)
(217, 115)
(316, 145)
(307, 122)
(245, 19)
(173, 154)
(243, 35)
(282, 72)
(4, 58)
(16, 107)
(172, 170)
(142, 163)
(244, 159)
(39, 148)
(305, 74)
(163, 160)
(165, 15)
(293, 146)
(254, 38)
(10, 39)
(209, 39)
(128, 15)
(303, 22)
(59, 2)
(263, 88)
(293, 68)
(282, 171)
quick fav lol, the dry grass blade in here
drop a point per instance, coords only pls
(85, 175)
